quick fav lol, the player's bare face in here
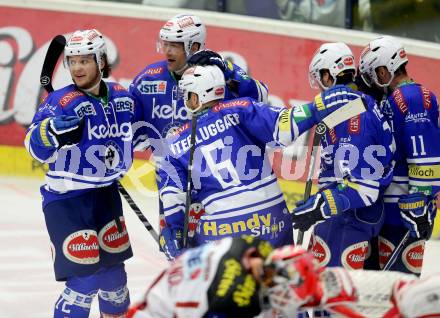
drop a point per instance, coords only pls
(175, 55)
(84, 71)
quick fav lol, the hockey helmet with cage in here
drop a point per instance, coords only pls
(185, 28)
(85, 42)
(290, 279)
(384, 51)
(208, 82)
(337, 58)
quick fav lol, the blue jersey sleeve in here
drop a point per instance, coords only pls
(35, 140)
(172, 178)
(275, 126)
(417, 133)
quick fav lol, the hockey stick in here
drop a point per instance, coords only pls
(189, 183)
(396, 252)
(56, 48)
(320, 130)
(138, 212)
(349, 110)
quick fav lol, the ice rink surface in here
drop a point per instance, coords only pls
(27, 284)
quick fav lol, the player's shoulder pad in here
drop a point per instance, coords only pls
(65, 96)
(411, 96)
(239, 74)
(117, 88)
(152, 71)
(237, 103)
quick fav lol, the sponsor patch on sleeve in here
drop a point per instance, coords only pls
(230, 104)
(69, 97)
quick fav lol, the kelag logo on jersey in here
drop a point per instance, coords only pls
(168, 112)
(152, 87)
(107, 131)
(124, 104)
(84, 108)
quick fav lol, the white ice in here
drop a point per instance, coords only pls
(27, 284)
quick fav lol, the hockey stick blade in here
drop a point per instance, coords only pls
(54, 51)
(349, 110)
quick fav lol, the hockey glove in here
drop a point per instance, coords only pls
(59, 131)
(318, 208)
(208, 57)
(331, 100)
(171, 242)
(418, 212)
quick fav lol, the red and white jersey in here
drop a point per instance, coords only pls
(210, 277)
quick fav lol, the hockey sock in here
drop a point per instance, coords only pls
(114, 298)
(76, 299)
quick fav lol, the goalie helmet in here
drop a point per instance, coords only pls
(185, 28)
(291, 277)
(208, 82)
(385, 51)
(334, 57)
(85, 42)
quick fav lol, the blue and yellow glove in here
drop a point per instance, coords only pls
(318, 208)
(55, 132)
(418, 212)
(171, 242)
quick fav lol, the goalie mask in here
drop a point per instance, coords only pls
(290, 280)
(208, 82)
(85, 42)
(185, 28)
(384, 51)
(337, 58)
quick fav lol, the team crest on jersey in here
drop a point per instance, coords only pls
(84, 108)
(154, 71)
(353, 257)
(66, 99)
(230, 104)
(152, 87)
(320, 250)
(386, 248)
(111, 240)
(82, 247)
(412, 256)
(113, 157)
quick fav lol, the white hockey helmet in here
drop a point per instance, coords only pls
(208, 82)
(85, 42)
(385, 51)
(334, 57)
(185, 28)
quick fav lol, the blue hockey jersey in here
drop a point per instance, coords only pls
(161, 107)
(413, 113)
(356, 156)
(232, 176)
(104, 152)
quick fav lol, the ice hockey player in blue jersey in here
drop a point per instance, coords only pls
(84, 133)
(413, 113)
(182, 41)
(355, 165)
(231, 174)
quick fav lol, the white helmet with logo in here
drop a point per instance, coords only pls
(85, 42)
(208, 82)
(185, 28)
(334, 57)
(385, 51)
